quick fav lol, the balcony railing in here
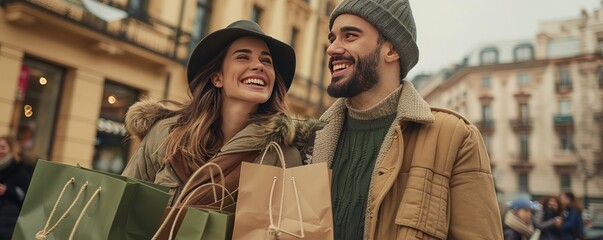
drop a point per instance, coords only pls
(563, 86)
(485, 126)
(563, 122)
(522, 124)
(149, 33)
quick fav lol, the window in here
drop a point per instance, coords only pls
(38, 90)
(524, 52)
(522, 180)
(139, 9)
(601, 76)
(524, 112)
(201, 24)
(488, 143)
(564, 107)
(564, 77)
(523, 79)
(487, 82)
(566, 183)
(323, 71)
(567, 143)
(486, 113)
(256, 14)
(294, 35)
(489, 56)
(524, 146)
(111, 148)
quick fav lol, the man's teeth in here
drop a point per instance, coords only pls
(254, 81)
(340, 66)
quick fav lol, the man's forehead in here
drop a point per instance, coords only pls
(344, 21)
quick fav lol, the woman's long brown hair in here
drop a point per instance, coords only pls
(196, 136)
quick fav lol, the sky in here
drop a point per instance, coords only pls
(447, 30)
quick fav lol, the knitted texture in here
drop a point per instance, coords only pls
(385, 107)
(393, 19)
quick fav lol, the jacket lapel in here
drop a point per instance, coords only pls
(327, 138)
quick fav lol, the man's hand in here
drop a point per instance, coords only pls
(2, 189)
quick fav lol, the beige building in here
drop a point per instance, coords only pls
(538, 104)
(70, 68)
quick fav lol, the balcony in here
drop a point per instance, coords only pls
(563, 122)
(138, 29)
(522, 166)
(485, 126)
(563, 87)
(522, 125)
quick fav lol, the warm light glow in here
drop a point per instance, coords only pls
(43, 81)
(111, 99)
(27, 107)
(28, 113)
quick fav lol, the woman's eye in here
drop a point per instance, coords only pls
(242, 57)
(267, 60)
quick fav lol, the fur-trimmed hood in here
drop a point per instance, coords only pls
(141, 117)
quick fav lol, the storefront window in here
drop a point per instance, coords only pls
(111, 149)
(38, 90)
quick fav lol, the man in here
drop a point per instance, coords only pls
(401, 169)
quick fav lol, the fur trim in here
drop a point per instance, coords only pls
(279, 128)
(142, 115)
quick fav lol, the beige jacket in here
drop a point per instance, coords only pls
(432, 177)
(145, 121)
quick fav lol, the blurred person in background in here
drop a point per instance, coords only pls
(518, 220)
(548, 218)
(14, 181)
(572, 227)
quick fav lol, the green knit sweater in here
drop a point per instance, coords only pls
(353, 163)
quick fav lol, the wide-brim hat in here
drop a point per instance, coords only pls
(283, 55)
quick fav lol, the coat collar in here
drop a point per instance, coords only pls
(411, 107)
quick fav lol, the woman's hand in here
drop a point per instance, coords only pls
(2, 189)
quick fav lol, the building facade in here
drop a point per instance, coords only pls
(71, 68)
(538, 104)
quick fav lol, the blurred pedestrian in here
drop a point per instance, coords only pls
(548, 218)
(14, 181)
(518, 220)
(572, 227)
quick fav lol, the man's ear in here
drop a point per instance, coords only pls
(391, 54)
(216, 80)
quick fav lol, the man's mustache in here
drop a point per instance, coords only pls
(339, 58)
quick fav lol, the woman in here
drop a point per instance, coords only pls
(14, 181)
(518, 220)
(548, 219)
(238, 78)
(572, 227)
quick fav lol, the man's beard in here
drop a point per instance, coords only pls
(364, 77)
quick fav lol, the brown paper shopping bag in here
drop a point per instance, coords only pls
(283, 203)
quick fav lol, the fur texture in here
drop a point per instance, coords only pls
(292, 132)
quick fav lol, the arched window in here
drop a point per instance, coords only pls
(488, 55)
(523, 52)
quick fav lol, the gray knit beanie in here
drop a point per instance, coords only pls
(393, 18)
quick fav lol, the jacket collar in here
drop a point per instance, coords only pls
(411, 107)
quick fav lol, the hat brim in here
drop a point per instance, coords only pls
(283, 55)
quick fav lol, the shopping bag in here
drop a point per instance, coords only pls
(183, 221)
(283, 203)
(68, 202)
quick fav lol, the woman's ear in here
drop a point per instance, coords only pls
(216, 80)
(391, 54)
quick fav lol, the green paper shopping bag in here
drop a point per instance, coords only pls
(68, 202)
(185, 221)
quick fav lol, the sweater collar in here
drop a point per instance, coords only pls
(385, 107)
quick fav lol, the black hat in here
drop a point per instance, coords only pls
(283, 55)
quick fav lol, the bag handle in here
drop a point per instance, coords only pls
(188, 184)
(275, 231)
(279, 152)
(43, 234)
(185, 203)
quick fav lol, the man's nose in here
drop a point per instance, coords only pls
(335, 48)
